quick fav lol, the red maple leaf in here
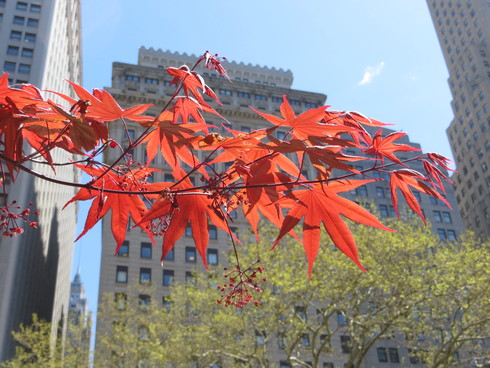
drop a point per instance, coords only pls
(306, 126)
(102, 106)
(403, 179)
(384, 147)
(194, 207)
(173, 140)
(123, 206)
(191, 83)
(321, 204)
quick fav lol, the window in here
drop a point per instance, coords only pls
(451, 235)
(19, 20)
(143, 333)
(21, 6)
(413, 357)
(225, 92)
(190, 254)
(167, 303)
(394, 357)
(145, 251)
(29, 37)
(260, 338)
(301, 312)
(345, 344)
(260, 98)
(305, 340)
(132, 78)
(190, 278)
(145, 275)
(24, 68)
(442, 234)
(123, 249)
(12, 50)
(380, 192)
(27, 53)
(212, 256)
(433, 200)
(213, 232)
(382, 356)
(341, 318)
(437, 216)
(362, 191)
(35, 8)
(243, 94)
(188, 231)
(121, 300)
(168, 277)
(151, 81)
(144, 300)
(447, 217)
(383, 210)
(9, 67)
(284, 364)
(15, 35)
(122, 274)
(170, 255)
(31, 22)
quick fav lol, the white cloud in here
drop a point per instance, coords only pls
(370, 73)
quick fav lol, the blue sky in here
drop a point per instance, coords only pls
(379, 57)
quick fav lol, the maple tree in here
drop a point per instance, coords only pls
(260, 179)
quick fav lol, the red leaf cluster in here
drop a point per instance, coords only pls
(260, 176)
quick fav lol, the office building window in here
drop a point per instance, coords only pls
(341, 318)
(190, 254)
(451, 235)
(151, 81)
(305, 340)
(12, 50)
(24, 68)
(437, 216)
(121, 300)
(123, 249)
(145, 251)
(132, 78)
(35, 8)
(382, 356)
(122, 274)
(383, 210)
(144, 300)
(190, 277)
(380, 192)
(188, 231)
(213, 232)
(212, 256)
(170, 255)
(168, 277)
(447, 217)
(27, 53)
(21, 6)
(9, 67)
(442, 234)
(394, 357)
(145, 275)
(29, 37)
(345, 344)
(19, 20)
(31, 22)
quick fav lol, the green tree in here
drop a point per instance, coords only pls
(35, 347)
(421, 301)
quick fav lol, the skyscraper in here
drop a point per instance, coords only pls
(79, 323)
(463, 29)
(40, 44)
(261, 87)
